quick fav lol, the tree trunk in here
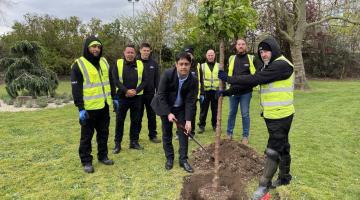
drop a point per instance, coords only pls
(218, 123)
(296, 53)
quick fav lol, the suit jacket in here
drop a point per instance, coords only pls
(165, 98)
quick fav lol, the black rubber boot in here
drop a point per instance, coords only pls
(271, 165)
(284, 177)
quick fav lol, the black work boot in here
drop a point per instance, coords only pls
(284, 177)
(155, 140)
(88, 168)
(135, 145)
(201, 129)
(271, 165)
(117, 148)
(106, 161)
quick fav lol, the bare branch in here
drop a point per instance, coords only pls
(330, 18)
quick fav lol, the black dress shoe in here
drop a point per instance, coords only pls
(136, 145)
(155, 140)
(169, 164)
(117, 149)
(107, 161)
(186, 167)
(88, 168)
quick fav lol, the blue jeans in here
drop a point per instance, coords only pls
(244, 101)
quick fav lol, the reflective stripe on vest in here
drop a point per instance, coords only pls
(139, 69)
(276, 98)
(96, 85)
(211, 82)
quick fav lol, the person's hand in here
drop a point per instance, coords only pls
(188, 126)
(171, 117)
(83, 116)
(219, 93)
(130, 93)
(222, 75)
(116, 105)
(202, 98)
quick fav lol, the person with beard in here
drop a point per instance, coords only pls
(152, 76)
(92, 91)
(197, 73)
(209, 70)
(129, 79)
(175, 102)
(240, 64)
(276, 80)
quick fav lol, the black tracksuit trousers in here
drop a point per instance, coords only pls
(99, 120)
(279, 134)
(151, 116)
(209, 100)
(134, 104)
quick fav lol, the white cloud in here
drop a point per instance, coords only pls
(105, 10)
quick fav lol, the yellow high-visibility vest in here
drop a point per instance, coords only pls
(96, 85)
(276, 98)
(140, 69)
(211, 81)
(232, 63)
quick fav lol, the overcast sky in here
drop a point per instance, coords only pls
(105, 10)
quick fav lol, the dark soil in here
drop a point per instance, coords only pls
(239, 164)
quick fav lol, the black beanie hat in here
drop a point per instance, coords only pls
(189, 49)
(264, 46)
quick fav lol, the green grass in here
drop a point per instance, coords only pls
(39, 152)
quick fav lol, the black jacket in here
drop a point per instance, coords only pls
(168, 88)
(130, 78)
(241, 67)
(152, 74)
(274, 71)
(77, 78)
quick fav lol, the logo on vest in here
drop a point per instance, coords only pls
(246, 65)
(151, 67)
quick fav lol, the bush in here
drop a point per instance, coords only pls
(17, 104)
(58, 102)
(29, 104)
(8, 100)
(41, 102)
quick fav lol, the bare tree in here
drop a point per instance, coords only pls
(290, 18)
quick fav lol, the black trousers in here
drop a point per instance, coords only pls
(151, 116)
(99, 120)
(209, 100)
(167, 136)
(279, 134)
(134, 104)
(193, 121)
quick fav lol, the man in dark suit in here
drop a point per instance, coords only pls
(175, 101)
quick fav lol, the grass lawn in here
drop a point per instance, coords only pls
(39, 152)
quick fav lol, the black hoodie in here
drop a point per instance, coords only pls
(274, 71)
(77, 77)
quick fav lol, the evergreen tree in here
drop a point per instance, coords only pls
(24, 71)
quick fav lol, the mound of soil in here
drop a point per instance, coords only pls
(238, 165)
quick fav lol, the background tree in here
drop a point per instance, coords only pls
(25, 72)
(225, 19)
(291, 23)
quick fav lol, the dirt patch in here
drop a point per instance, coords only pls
(239, 164)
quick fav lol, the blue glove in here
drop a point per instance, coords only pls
(222, 75)
(83, 116)
(116, 105)
(202, 99)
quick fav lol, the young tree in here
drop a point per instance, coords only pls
(225, 19)
(25, 72)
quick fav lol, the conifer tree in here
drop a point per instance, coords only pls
(24, 71)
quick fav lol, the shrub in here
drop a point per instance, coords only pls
(41, 102)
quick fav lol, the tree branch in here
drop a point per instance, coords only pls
(330, 18)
